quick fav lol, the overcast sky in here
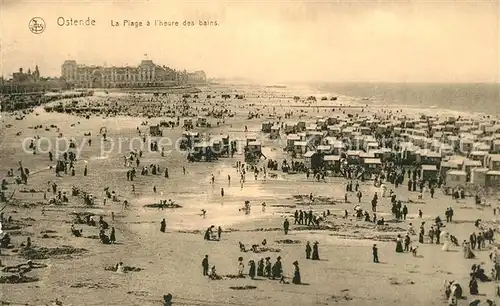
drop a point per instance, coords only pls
(272, 41)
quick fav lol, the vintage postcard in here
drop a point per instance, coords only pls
(226, 153)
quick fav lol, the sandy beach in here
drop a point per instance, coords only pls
(170, 262)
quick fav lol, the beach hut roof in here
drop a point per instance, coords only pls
(456, 172)
(493, 173)
(495, 157)
(480, 169)
(373, 161)
(429, 167)
(469, 162)
(324, 147)
(331, 157)
(309, 154)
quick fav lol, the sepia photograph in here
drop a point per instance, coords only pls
(249, 152)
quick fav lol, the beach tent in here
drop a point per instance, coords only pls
(313, 160)
(493, 179)
(478, 176)
(429, 172)
(455, 178)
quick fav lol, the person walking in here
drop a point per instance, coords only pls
(205, 265)
(375, 253)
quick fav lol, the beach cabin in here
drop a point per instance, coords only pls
(201, 148)
(364, 130)
(188, 123)
(332, 121)
(453, 141)
(216, 145)
(291, 128)
(201, 121)
(370, 146)
(313, 160)
(480, 146)
(468, 165)
(446, 150)
(478, 156)
(290, 140)
(300, 147)
(348, 132)
(254, 147)
(311, 128)
(266, 127)
(189, 139)
(455, 178)
(493, 179)
(478, 176)
(466, 145)
(155, 131)
(334, 130)
(338, 147)
(322, 124)
(357, 142)
(324, 149)
(301, 126)
(353, 157)
(250, 139)
(495, 148)
(274, 132)
(331, 162)
(430, 158)
(429, 173)
(372, 166)
(492, 162)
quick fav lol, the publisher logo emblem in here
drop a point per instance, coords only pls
(37, 25)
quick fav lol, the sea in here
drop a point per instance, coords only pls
(481, 98)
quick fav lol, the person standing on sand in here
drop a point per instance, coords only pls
(163, 225)
(252, 269)
(296, 275)
(219, 232)
(315, 253)
(222, 192)
(241, 266)
(308, 250)
(286, 226)
(85, 171)
(112, 237)
(205, 265)
(375, 253)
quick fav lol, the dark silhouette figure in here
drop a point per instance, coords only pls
(315, 253)
(163, 226)
(308, 250)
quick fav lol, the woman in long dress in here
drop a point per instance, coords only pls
(296, 275)
(468, 254)
(446, 245)
(399, 244)
(251, 271)
(315, 253)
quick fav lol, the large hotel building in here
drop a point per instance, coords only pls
(147, 74)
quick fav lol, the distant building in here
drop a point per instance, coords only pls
(147, 74)
(22, 77)
(30, 82)
(197, 77)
